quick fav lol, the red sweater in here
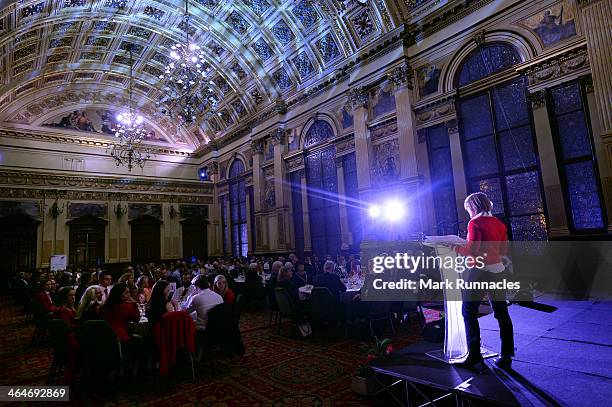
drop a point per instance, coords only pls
(486, 234)
(119, 317)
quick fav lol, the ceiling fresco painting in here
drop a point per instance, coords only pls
(256, 51)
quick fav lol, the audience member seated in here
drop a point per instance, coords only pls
(221, 288)
(65, 305)
(182, 295)
(285, 278)
(128, 279)
(330, 279)
(105, 281)
(45, 296)
(300, 278)
(144, 283)
(160, 302)
(90, 304)
(85, 281)
(119, 310)
(202, 302)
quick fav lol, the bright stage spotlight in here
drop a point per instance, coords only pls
(374, 211)
(394, 210)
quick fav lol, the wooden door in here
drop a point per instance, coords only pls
(18, 238)
(195, 241)
(146, 239)
(87, 241)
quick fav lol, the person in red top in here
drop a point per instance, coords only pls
(44, 296)
(221, 288)
(119, 309)
(487, 237)
(65, 305)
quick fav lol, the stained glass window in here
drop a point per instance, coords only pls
(238, 212)
(319, 131)
(353, 211)
(442, 184)
(577, 163)
(322, 181)
(501, 157)
(296, 204)
(485, 61)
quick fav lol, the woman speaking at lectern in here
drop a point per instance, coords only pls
(486, 234)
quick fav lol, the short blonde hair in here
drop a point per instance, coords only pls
(478, 202)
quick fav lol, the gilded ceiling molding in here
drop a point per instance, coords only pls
(83, 141)
(123, 184)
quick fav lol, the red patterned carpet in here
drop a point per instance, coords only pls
(275, 371)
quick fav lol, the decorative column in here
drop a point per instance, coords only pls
(214, 230)
(305, 212)
(282, 191)
(344, 226)
(257, 148)
(411, 170)
(596, 17)
(459, 180)
(358, 100)
(553, 193)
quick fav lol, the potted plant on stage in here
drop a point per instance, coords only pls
(364, 382)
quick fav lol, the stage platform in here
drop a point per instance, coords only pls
(563, 358)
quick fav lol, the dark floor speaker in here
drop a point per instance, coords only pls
(434, 331)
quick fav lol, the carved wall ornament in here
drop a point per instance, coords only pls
(574, 60)
(213, 168)
(278, 136)
(257, 147)
(383, 130)
(479, 37)
(537, 99)
(358, 97)
(280, 106)
(295, 162)
(345, 144)
(452, 126)
(401, 76)
(269, 171)
(587, 83)
(443, 108)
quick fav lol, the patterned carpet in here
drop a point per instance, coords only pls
(277, 370)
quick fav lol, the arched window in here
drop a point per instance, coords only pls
(319, 131)
(498, 143)
(238, 212)
(485, 61)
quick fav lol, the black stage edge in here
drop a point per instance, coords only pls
(563, 358)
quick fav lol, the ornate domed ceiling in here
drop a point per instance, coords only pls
(65, 62)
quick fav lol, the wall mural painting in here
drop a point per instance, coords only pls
(136, 210)
(10, 208)
(385, 103)
(188, 211)
(347, 119)
(553, 24)
(95, 121)
(78, 209)
(385, 167)
(428, 78)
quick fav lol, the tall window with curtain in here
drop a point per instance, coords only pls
(498, 143)
(238, 212)
(353, 211)
(442, 183)
(322, 181)
(575, 157)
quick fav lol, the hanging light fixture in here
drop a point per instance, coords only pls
(187, 91)
(130, 133)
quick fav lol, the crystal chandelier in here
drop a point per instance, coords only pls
(130, 133)
(187, 92)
